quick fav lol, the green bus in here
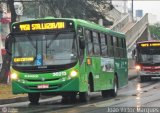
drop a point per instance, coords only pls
(67, 57)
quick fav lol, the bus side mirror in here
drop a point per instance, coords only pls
(8, 44)
(81, 42)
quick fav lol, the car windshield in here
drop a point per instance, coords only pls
(44, 49)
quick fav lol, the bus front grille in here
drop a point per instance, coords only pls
(40, 80)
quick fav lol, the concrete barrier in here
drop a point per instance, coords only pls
(131, 63)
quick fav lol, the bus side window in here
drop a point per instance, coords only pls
(125, 52)
(124, 48)
(103, 44)
(96, 43)
(121, 47)
(115, 46)
(110, 46)
(89, 42)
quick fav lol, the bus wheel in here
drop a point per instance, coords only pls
(113, 92)
(85, 96)
(65, 99)
(70, 98)
(34, 98)
(142, 79)
(105, 93)
(73, 98)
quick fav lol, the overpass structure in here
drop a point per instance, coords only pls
(135, 31)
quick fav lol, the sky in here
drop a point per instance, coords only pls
(148, 6)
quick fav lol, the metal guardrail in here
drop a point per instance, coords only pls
(115, 14)
(121, 23)
(132, 34)
(136, 31)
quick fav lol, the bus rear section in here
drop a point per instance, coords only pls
(148, 60)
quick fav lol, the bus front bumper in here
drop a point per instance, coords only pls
(70, 85)
(149, 74)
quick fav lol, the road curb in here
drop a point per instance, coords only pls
(13, 100)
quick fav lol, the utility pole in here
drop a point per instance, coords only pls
(132, 12)
(125, 6)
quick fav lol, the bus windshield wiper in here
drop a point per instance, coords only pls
(31, 41)
(54, 38)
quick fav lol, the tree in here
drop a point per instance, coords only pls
(12, 10)
(155, 31)
(83, 9)
(7, 58)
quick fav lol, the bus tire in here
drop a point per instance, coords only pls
(34, 98)
(113, 92)
(64, 99)
(149, 78)
(85, 96)
(142, 79)
(105, 93)
(70, 98)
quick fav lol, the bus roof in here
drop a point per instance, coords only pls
(81, 22)
(98, 27)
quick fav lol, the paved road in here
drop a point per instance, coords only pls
(132, 75)
(136, 94)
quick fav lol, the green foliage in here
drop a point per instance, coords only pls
(83, 9)
(30, 9)
(155, 31)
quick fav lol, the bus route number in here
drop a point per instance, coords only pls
(59, 74)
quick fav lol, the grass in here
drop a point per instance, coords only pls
(6, 92)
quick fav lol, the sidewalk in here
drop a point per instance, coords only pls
(7, 97)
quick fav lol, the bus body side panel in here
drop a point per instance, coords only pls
(83, 79)
(102, 79)
(122, 73)
(95, 70)
(107, 73)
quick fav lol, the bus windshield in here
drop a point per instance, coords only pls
(146, 58)
(44, 49)
(149, 56)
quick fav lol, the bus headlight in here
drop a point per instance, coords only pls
(14, 76)
(73, 73)
(138, 67)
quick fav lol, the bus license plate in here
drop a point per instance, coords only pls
(43, 86)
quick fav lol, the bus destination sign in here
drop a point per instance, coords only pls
(42, 26)
(150, 44)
